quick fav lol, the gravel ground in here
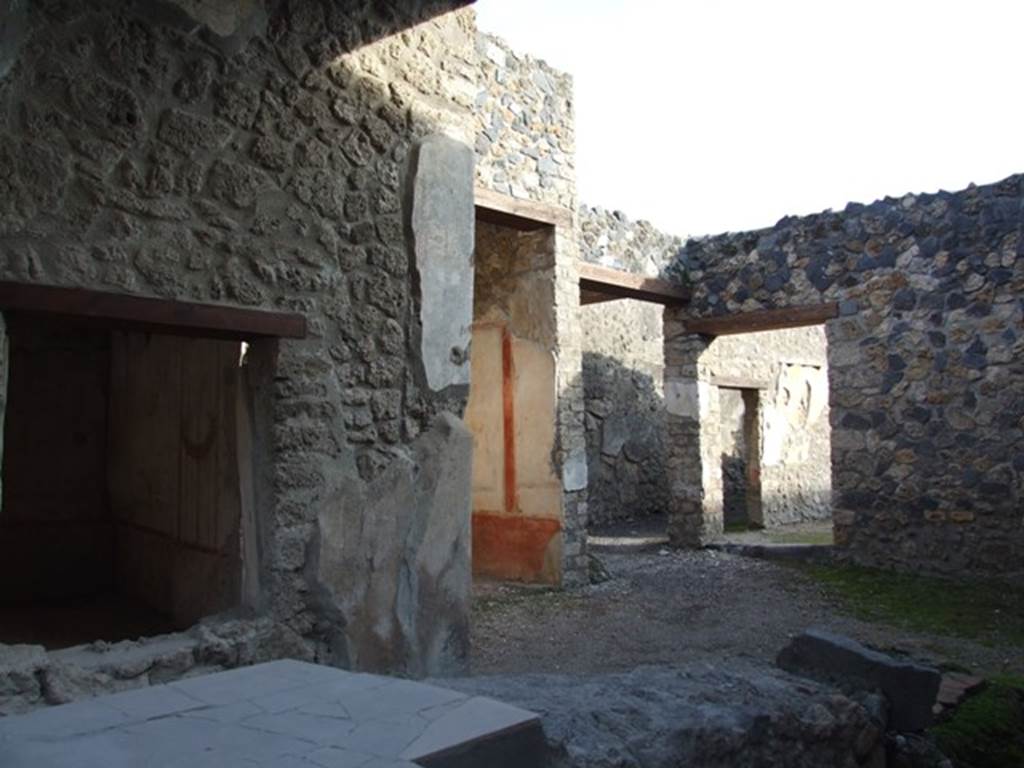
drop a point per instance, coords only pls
(664, 607)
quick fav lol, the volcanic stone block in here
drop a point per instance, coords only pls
(911, 688)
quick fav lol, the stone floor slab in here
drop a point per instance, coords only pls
(284, 713)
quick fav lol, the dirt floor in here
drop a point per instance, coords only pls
(666, 606)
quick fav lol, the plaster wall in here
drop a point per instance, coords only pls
(517, 501)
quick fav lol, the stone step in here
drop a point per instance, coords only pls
(283, 714)
(955, 688)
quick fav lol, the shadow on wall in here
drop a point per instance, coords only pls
(625, 431)
(773, 467)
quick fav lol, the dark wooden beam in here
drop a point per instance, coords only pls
(590, 297)
(123, 311)
(763, 320)
(524, 215)
(612, 284)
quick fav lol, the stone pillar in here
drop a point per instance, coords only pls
(856, 450)
(694, 441)
(571, 450)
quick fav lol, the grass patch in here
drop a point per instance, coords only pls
(991, 613)
(987, 730)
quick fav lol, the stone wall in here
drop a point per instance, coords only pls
(525, 140)
(525, 143)
(265, 156)
(623, 372)
(925, 369)
(623, 369)
(787, 373)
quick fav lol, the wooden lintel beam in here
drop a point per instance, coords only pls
(763, 320)
(738, 382)
(526, 215)
(118, 310)
(590, 297)
(617, 284)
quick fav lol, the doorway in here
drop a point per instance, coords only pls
(517, 492)
(741, 458)
(121, 513)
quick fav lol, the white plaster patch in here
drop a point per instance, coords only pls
(443, 217)
(687, 398)
(574, 471)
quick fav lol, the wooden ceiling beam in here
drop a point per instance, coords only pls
(616, 284)
(515, 213)
(763, 320)
(150, 314)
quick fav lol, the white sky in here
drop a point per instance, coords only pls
(712, 115)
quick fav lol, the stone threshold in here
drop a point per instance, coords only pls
(284, 713)
(32, 676)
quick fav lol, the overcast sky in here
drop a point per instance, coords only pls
(714, 115)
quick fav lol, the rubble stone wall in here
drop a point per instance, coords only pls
(926, 369)
(623, 354)
(264, 158)
(623, 370)
(525, 134)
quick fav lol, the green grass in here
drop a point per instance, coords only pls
(989, 612)
(987, 730)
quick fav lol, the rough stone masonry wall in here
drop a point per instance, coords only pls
(623, 352)
(525, 145)
(926, 366)
(623, 362)
(261, 155)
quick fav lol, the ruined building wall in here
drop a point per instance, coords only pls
(623, 372)
(525, 141)
(925, 370)
(623, 364)
(525, 146)
(276, 157)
